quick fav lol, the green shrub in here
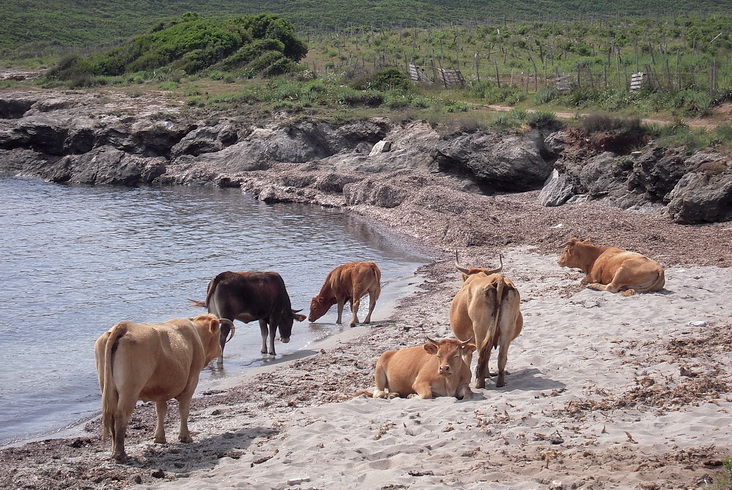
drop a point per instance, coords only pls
(597, 122)
(383, 80)
(190, 44)
(542, 119)
(352, 97)
(545, 95)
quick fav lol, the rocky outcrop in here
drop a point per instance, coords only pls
(111, 138)
(690, 188)
(498, 162)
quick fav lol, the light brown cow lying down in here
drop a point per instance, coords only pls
(152, 363)
(613, 269)
(436, 368)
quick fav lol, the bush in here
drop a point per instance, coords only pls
(191, 44)
(388, 79)
(594, 123)
(351, 97)
(545, 95)
(542, 119)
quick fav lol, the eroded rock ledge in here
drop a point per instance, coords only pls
(120, 139)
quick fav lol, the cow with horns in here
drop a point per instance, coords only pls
(486, 308)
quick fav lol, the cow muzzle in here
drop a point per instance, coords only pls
(444, 370)
(284, 340)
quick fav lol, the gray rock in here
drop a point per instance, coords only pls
(497, 161)
(703, 196)
(556, 191)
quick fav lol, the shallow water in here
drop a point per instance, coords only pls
(76, 260)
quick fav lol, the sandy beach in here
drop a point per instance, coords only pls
(603, 391)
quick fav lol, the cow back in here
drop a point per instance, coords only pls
(248, 296)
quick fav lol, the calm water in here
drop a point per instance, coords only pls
(76, 260)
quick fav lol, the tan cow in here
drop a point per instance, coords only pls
(436, 368)
(152, 363)
(487, 309)
(613, 269)
(348, 282)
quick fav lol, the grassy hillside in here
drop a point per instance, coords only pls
(43, 23)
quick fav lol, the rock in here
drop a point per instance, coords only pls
(105, 165)
(380, 147)
(557, 190)
(206, 139)
(505, 162)
(703, 196)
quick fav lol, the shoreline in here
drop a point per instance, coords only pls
(594, 398)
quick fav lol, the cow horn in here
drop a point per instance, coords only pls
(500, 267)
(466, 342)
(231, 326)
(432, 341)
(458, 266)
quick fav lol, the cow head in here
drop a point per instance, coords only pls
(285, 325)
(468, 271)
(209, 331)
(449, 354)
(319, 306)
(572, 255)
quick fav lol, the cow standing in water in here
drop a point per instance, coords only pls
(249, 296)
(348, 282)
(613, 269)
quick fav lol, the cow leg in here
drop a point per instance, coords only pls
(264, 329)
(122, 413)
(372, 305)
(341, 304)
(225, 330)
(423, 389)
(161, 408)
(502, 359)
(184, 407)
(355, 304)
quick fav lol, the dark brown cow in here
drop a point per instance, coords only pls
(348, 282)
(249, 296)
(613, 269)
(436, 368)
(487, 309)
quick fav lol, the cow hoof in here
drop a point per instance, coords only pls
(185, 439)
(120, 458)
(160, 440)
(353, 325)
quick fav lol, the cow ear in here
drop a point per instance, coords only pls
(431, 347)
(215, 325)
(468, 348)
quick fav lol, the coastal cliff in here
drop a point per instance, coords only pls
(121, 139)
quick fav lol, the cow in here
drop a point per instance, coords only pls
(348, 282)
(613, 269)
(436, 368)
(152, 363)
(249, 296)
(486, 308)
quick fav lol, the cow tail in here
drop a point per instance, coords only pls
(493, 294)
(659, 282)
(110, 396)
(211, 289)
(377, 276)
